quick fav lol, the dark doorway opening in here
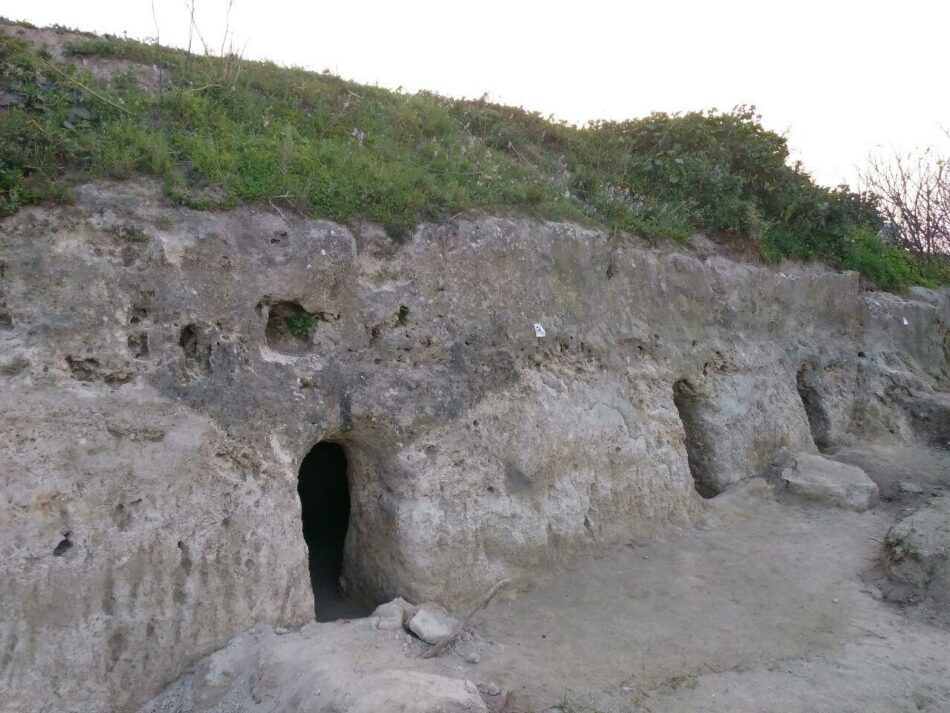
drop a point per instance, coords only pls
(324, 490)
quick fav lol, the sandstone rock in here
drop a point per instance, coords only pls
(917, 553)
(432, 622)
(475, 450)
(829, 482)
(319, 668)
(394, 615)
(909, 487)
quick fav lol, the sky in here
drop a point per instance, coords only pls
(840, 79)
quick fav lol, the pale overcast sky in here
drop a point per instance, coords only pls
(840, 77)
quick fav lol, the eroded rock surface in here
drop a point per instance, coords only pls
(164, 373)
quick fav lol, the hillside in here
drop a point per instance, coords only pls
(218, 131)
(318, 398)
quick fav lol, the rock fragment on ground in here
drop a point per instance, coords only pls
(468, 648)
(829, 482)
(393, 616)
(432, 623)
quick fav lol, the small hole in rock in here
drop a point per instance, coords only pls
(289, 328)
(6, 320)
(83, 369)
(64, 546)
(138, 345)
(137, 314)
(197, 354)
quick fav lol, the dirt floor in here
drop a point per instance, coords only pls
(762, 607)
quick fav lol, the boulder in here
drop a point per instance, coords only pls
(917, 553)
(432, 622)
(829, 482)
(392, 616)
(322, 667)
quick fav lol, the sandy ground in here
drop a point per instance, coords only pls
(762, 607)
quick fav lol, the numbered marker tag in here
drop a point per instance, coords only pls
(538, 330)
(906, 323)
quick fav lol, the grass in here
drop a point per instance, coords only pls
(219, 130)
(301, 324)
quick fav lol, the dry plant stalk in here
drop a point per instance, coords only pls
(442, 644)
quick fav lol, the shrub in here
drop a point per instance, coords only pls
(888, 267)
(301, 324)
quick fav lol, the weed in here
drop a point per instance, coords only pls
(129, 232)
(301, 324)
(384, 275)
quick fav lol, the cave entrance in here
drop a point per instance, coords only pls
(818, 421)
(324, 489)
(687, 403)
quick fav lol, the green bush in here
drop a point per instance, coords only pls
(888, 267)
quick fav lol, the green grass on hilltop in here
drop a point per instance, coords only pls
(223, 130)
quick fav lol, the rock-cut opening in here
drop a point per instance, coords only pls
(818, 420)
(196, 349)
(324, 490)
(687, 404)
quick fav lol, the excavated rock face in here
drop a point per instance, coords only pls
(165, 372)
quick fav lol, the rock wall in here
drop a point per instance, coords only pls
(165, 371)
